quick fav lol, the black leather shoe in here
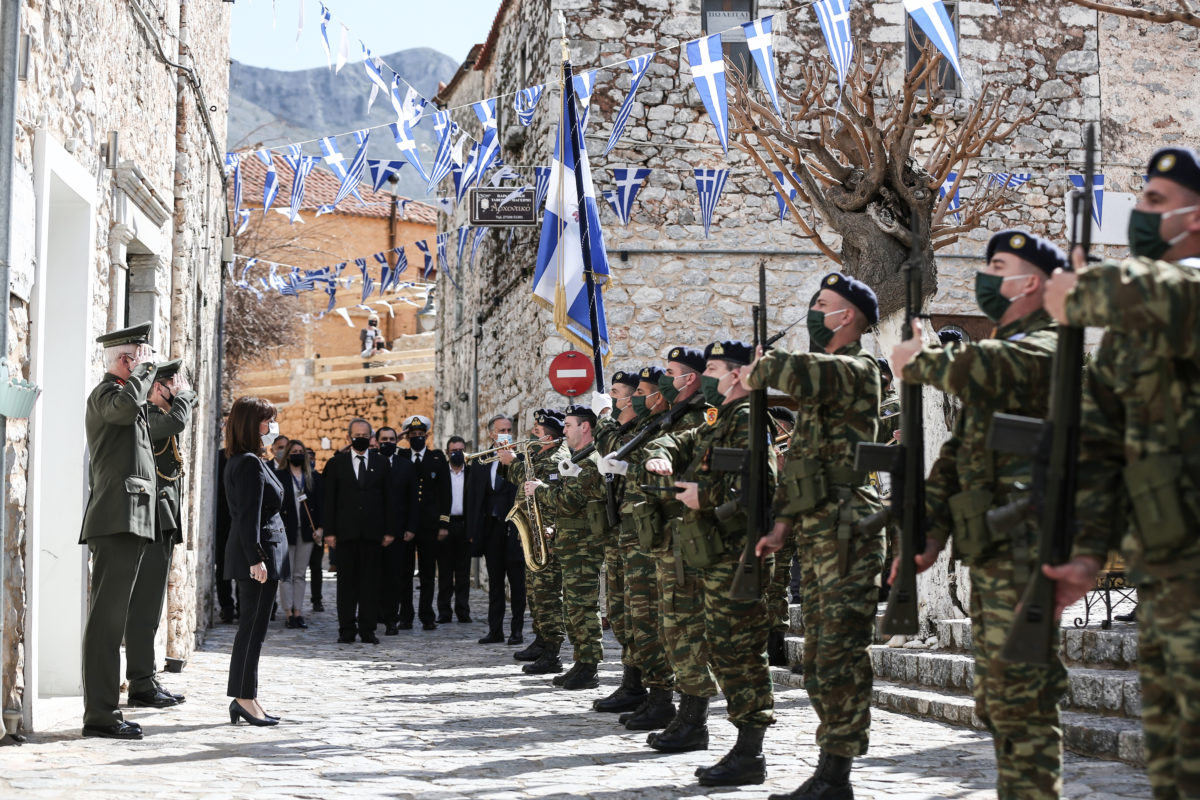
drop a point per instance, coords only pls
(120, 730)
(227, 617)
(318, 606)
(405, 626)
(560, 679)
(516, 638)
(369, 638)
(299, 622)
(152, 699)
(626, 697)
(178, 697)
(655, 712)
(391, 629)
(444, 619)
(492, 638)
(429, 626)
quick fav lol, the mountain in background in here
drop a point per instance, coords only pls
(270, 108)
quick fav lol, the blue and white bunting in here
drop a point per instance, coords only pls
(291, 156)
(442, 161)
(638, 67)
(955, 204)
(464, 177)
(237, 185)
(442, 239)
(305, 166)
(1012, 180)
(414, 106)
(462, 241)
(584, 82)
(541, 177)
(402, 133)
(423, 246)
(396, 98)
(525, 102)
(270, 182)
(374, 71)
(834, 16)
(489, 148)
(325, 35)
(479, 232)
(386, 276)
(445, 204)
(783, 207)
(707, 61)
(932, 18)
(759, 38)
(354, 173)
(367, 281)
(380, 171)
(710, 183)
(243, 215)
(401, 263)
(629, 182)
(1097, 195)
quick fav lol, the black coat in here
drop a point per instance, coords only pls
(402, 494)
(301, 527)
(481, 501)
(356, 513)
(255, 528)
(433, 489)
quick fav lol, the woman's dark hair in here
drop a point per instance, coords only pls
(241, 429)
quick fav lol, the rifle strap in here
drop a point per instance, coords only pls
(845, 528)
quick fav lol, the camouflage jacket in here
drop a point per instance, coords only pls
(1140, 413)
(545, 469)
(889, 416)
(572, 501)
(838, 406)
(1010, 374)
(694, 417)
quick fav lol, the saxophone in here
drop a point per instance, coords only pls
(527, 517)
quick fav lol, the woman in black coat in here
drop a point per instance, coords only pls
(301, 513)
(256, 553)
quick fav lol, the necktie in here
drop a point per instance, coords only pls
(417, 459)
(362, 469)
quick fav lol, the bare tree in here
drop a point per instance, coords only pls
(862, 163)
(1136, 10)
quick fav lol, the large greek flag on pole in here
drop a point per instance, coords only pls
(558, 280)
(707, 61)
(932, 18)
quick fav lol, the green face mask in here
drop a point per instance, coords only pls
(666, 385)
(987, 294)
(639, 405)
(708, 387)
(818, 334)
(1145, 232)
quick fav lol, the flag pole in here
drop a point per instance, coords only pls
(574, 136)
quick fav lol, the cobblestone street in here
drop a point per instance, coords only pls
(434, 715)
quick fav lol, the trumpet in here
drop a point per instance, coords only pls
(493, 454)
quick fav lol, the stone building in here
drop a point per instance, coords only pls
(118, 216)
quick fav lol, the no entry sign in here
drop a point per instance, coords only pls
(571, 373)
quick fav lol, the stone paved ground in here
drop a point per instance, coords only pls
(434, 715)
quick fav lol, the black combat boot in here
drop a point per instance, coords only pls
(626, 697)
(584, 678)
(560, 679)
(742, 765)
(531, 652)
(654, 714)
(547, 662)
(776, 649)
(688, 731)
(831, 781)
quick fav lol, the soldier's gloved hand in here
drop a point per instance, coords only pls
(601, 402)
(612, 466)
(568, 470)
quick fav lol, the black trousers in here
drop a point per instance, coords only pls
(115, 562)
(225, 598)
(314, 571)
(501, 562)
(256, 600)
(391, 582)
(358, 578)
(454, 570)
(421, 554)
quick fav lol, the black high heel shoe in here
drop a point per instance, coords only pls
(236, 712)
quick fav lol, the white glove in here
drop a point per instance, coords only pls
(601, 402)
(611, 466)
(568, 470)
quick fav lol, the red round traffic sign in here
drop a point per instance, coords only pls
(571, 373)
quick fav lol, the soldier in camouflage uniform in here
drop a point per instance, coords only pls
(1008, 373)
(576, 500)
(1139, 474)
(837, 390)
(776, 599)
(711, 537)
(889, 407)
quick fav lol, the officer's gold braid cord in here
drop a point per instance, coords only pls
(174, 445)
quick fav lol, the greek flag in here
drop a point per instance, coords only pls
(250, 262)
(1097, 195)
(382, 170)
(710, 183)
(401, 263)
(306, 164)
(525, 102)
(707, 61)
(489, 149)
(1012, 180)
(354, 173)
(955, 204)
(402, 133)
(441, 246)
(374, 73)
(584, 83)
(423, 246)
(759, 39)
(638, 67)
(462, 241)
(541, 177)
(287, 288)
(414, 106)
(445, 128)
(442, 239)
(446, 204)
(462, 176)
(783, 208)
(325, 34)
(291, 156)
(629, 183)
(479, 232)
(367, 281)
(386, 276)
(237, 180)
(334, 158)
(243, 215)
(558, 279)
(931, 17)
(834, 16)
(271, 182)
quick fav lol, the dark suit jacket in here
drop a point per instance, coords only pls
(299, 528)
(402, 494)
(356, 513)
(255, 529)
(481, 501)
(433, 489)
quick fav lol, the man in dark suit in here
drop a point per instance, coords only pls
(453, 550)
(402, 499)
(489, 497)
(433, 522)
(357, 522)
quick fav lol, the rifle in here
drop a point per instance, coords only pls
(1051, 499)
(747, 581)
(906, 464)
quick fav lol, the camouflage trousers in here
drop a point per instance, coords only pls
(838, 610)
(1017, 702)
(681, 604)
(543, 592)
(614, 599)
(776, 596)
(580, 552)
(737, 636)
(645, 647)
(1168, 616)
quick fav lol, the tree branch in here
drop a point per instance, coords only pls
(1187, 16)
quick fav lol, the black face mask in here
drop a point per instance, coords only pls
(458, 458)
(387, 449)
(361, 443)
(297, 459)
(417, 443)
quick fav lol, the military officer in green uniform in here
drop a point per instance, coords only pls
(168, 414)
(820, 499)
(711, 537)
(1139, 465)
(1007, 373)
(576, 501)
(119, 519)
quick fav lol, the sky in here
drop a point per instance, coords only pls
(385, 26)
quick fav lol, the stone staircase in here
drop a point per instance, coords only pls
(1101, 713)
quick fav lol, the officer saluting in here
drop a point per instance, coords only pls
(119, 519)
